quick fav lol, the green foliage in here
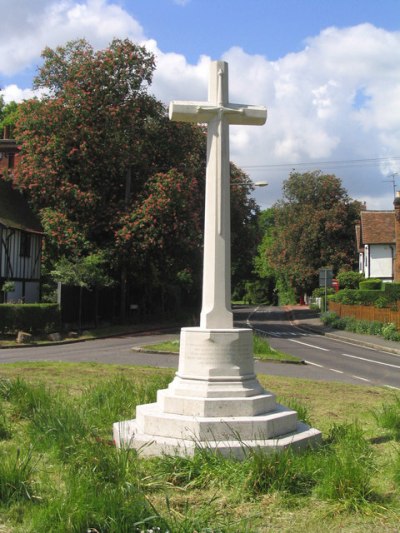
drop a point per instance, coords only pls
(8, 115)
(8, 286)
(313, 226)
(32, 318)
(319, 292)
(256, 292)
(392, 291)
(88, 272)
(371, 285)
(358, 296)
(349, 279)
(356, 326)
(390, 332)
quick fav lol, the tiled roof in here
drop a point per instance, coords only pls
(377, 227)
(15, 212)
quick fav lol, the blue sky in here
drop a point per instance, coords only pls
(328, 72)
(272, 28)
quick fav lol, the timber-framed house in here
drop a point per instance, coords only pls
(20, 238)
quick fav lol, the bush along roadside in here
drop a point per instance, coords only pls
(387, 331)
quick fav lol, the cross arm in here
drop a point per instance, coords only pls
(202, 112)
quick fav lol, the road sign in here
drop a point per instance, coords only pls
(325, 277)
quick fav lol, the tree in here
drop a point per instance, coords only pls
(88, 272)
(245, 234)
(8, 115)
(90, 146)
(106, 169)
(314, 228)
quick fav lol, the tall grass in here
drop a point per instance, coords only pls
(346, 467)
(75, 480)
(16, 476)
(388, 417)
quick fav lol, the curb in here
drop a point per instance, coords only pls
(349, 340)
(74, 341)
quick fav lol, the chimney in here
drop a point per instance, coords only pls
(396, 204)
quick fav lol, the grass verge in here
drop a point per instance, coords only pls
(59, 472)
(261, 350)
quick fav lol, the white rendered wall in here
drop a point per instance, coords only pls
(381, 261)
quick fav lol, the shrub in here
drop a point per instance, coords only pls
(320, 292)
(392, 291)
(357, 296)
(371, 285)
(349, 280)
(390, 333)
(33, 318)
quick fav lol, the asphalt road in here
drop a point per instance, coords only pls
(339, 360)
(326, 359)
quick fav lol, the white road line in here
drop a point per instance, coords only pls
(363, 379)
(391, 387)
(338, 371)
(310, 345)
(371, 360)
(314, 364)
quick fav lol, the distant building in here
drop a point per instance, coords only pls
(20, 236)
(378, 243)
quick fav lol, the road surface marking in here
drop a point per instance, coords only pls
(371, 360)
(391, 387)
(314, 364)
(310, 345)
(338, 371)
(358, 377)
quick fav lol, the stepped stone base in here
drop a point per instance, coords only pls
(215, 402)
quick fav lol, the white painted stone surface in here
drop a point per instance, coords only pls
(215, 399)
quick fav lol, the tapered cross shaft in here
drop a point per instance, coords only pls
(218, 113)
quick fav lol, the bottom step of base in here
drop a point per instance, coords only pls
(125, 436)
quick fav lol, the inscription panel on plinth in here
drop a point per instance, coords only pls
(223, 354)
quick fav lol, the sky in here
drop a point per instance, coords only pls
(328, 72)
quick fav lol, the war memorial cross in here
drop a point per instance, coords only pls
(218, 113)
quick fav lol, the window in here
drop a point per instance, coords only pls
(25, 248)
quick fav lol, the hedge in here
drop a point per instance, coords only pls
(387, 296)
(357, 296)
(371, 285)
(32, 318)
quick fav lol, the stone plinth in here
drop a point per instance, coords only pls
(215, 401)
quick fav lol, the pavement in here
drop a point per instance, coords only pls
(304, 317)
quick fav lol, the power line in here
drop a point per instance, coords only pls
(339, 163)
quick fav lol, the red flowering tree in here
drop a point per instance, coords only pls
(107, 170)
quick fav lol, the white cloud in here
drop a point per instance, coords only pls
(14, 93)
(33, 24)
(337, 99)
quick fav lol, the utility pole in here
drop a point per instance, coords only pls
(393, 182)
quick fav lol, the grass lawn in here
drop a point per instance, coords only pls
(261, 349)
(59, 472)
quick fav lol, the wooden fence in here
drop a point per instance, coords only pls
(366, 312)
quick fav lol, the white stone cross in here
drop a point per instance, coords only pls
(218, 113)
